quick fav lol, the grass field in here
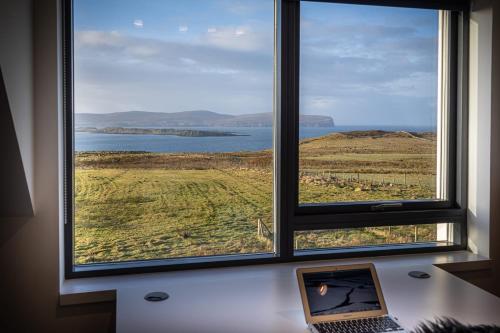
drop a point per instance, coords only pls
(370, 165)
(137, 214)
(131, 206)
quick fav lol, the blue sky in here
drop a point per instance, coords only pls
(362, 65)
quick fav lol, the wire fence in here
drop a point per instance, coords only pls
(372, 179)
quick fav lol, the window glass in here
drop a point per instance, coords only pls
(438, 234)
(173, 128)
(372, 74)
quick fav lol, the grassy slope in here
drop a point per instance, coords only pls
(367, 166)
(144, 205)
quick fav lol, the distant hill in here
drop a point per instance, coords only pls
(199, 118)
(155, 131)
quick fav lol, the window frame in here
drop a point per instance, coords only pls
(289, 216)
(324, 216)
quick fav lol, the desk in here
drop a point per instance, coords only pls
(266, 299)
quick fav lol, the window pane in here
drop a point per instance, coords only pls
(374, 72)
(173, 128)
(440, 234)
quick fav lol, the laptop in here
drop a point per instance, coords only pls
(344, 299)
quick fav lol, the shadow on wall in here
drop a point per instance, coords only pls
(9, 227)
(15, 198)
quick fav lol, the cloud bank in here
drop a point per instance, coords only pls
(360, 72)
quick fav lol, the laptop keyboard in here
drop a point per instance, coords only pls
(364, 325)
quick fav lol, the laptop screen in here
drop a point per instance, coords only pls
(342, 291)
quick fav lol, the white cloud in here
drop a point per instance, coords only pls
(192, 66)
(188, 61)
(361, 77)
(183, 28)
(113, 40)
(246, 7)
(138, 23)
(241, 38)
(143, 50)
(221, 71)
(115, 72)
(368, 73)
(415, 85)
(98, 38)
(319, 104)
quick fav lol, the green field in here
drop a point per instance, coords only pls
(131, 206)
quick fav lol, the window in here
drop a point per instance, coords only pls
(374, 71)
(173, 129)
(421, 234)
(227, 132)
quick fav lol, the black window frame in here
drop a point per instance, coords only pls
(324, 216)
(290, 217)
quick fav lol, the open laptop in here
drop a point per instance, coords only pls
(344, 299)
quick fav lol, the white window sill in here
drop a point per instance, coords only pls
(105, 289)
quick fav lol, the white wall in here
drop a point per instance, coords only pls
(29, 247)
(16, 60)
(480, 128)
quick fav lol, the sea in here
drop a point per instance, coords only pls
(251, 139)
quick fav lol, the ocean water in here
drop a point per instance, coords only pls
(256, 138)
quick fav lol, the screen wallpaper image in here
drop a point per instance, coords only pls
(337, 292)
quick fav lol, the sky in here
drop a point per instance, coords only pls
(361, 65)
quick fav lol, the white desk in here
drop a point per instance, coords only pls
(266, 299)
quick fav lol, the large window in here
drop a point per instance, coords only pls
(205, 133)
(173, 129)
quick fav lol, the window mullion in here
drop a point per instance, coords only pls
(288, 155)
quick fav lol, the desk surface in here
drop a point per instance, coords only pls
(266, 299)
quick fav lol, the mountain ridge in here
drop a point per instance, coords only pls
(194, 118)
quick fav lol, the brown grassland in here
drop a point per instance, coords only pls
(131, 206)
